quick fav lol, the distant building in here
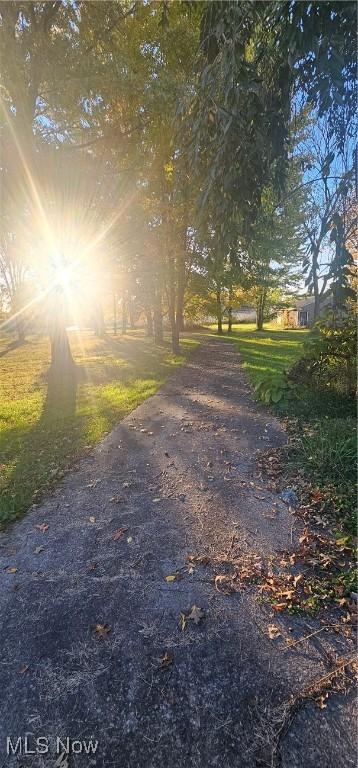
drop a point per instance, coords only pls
(301, 314)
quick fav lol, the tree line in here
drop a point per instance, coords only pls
(182, 155)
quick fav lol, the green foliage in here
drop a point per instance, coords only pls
(327, 451)
(330, 356)
(272, 389)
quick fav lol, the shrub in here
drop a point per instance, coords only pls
(272, 389)
(330, 357)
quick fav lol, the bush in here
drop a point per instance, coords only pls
(330, 357)
(272, 389)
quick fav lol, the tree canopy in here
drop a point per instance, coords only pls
(151, 145)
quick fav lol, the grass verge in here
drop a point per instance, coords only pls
(320, 462)
(43, 430)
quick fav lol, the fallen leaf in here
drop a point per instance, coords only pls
(172, 577)
(321, 700)
(117, 500)
(92, 519)
(12, 570)
(297, 579)
(278, 606)
(43, 527)
(37, 550)
(24, 669)
(93, 567)
(196, 614)
(223, 584)
(182, 621)
(155, 501)
(273, 631)
(342, 542)
(119, 533)
(102, 630)
(167, 660)
(129, 540)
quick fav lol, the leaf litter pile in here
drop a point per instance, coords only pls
(309, 580)
(328, 560)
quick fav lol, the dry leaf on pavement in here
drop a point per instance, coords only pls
(182, 621)
(173, 577)
(119, 533)
(273, 631)
(167, 660)
(196, 614)
(101, 631)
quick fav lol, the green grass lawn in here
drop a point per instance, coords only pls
(269, 351)
(44, 427)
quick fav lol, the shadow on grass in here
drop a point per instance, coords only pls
(80, 407)
(36, 454)
(11, 346)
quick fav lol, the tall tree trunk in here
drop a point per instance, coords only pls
(260, 311)
(99, 327)
(131, 314)
(61, 355)
(158, 319)
(219, 312)
(115, 314)
(124, 313)
(180, 291)
(149, 321)
(171, 297)
(316, 306)
(229, 319)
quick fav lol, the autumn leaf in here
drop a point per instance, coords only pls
(101, 631)
(342, 542)
(223, 584)
(321, 700)
(12, 570)
(278, 607)
(167, 660)
(196, 614)
(92, 519)
(119, 533)
(182, 621)
(43, 527)
(37, 550)
(297, 579)
(273, 631)
(173, 577)
(198, 559)
(24, 669)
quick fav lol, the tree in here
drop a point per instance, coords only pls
(329, 178)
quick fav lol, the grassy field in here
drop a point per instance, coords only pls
(43, 428)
